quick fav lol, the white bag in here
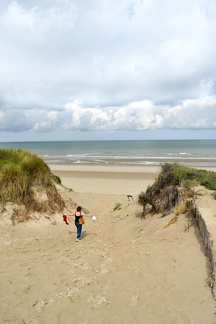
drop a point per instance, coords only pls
(94, 218)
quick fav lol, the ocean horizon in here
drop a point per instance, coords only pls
(122, 152)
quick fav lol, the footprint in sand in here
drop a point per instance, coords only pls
(39, 304)
(97, 300)
(81, 265)
(103, 270)
(134, 300)
(28, 289)
(80, 282)
(105, 267)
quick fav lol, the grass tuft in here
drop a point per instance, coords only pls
(22, 174)
(118, 206)
(181, 208)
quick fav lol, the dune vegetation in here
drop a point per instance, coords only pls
(174, 186)
(26, 180)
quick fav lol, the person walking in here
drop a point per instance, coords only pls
(79, 221)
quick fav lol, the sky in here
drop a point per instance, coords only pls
(107, 69)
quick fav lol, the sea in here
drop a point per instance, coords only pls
(133, 152)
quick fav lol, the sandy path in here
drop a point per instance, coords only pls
(124, 270)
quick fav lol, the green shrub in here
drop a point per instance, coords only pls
(143, 198)
(163, 194)
(163, 215)
(188, 184)
(57, 179)
(118, 206)
(178, 174)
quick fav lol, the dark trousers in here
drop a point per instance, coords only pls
(79, 229)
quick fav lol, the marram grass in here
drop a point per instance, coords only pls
(20, 173)
(165, 193)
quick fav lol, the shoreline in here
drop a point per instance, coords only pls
(136, 162)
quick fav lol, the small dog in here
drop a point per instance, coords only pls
(129, 197)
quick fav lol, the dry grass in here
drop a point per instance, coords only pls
(181, 208)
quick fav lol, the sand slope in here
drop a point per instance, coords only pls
(124, 270)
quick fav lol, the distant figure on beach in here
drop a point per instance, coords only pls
(79, 221)
(129, 197)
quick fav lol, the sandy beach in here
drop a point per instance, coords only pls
(122, 180)
(100, 179)
(124, 270)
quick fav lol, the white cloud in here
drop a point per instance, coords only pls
(136, 116)
(143, 115)
(124, 65)
(35, 23)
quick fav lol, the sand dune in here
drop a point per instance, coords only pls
(124, 270)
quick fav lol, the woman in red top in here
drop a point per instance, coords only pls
(78, 217)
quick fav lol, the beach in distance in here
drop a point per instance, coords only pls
(98, 179)
(108, 179)
(125, 269)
